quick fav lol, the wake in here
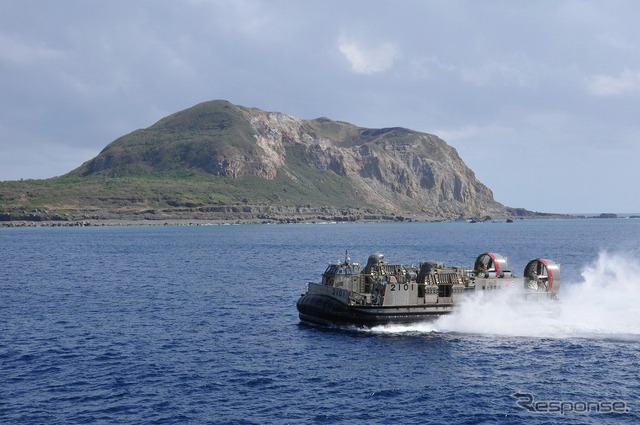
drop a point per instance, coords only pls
(606, 303)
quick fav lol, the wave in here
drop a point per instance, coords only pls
(604, 304)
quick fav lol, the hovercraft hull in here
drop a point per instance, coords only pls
(327, 311)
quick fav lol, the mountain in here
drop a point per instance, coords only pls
(222, 160)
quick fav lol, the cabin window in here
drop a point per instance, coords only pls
(331, 270)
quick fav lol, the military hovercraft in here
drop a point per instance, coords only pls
(385, 293)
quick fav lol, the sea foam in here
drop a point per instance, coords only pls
(604, 303)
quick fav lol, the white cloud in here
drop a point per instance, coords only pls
(422, 68)
(546, 120)
(20, 53)
(365, 60)
(518, 73)
(456, 134)
(606, 85)
(616, 41)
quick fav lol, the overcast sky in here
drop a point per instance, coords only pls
(539, 98)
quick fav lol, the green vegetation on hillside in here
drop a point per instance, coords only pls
(185, 142)
(73, 194)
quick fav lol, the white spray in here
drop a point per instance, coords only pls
(606, 303)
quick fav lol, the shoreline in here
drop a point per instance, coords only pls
(188, 222)
(113, 222)
(208, 220)
(239, 214)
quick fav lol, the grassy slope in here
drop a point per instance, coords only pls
(299, 185)
(177, 145)
(128, 194)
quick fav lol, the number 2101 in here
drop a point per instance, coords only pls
(400, 287)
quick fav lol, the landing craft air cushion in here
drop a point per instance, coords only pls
(384, 293)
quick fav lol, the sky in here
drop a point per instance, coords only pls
(539, 98)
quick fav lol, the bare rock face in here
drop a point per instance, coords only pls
(395, 168)
(391, 169)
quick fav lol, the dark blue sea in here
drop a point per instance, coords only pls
(198, 324)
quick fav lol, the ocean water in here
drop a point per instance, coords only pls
(198, 324)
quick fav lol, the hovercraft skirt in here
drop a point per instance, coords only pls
(325, 310)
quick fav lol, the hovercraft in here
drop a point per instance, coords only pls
(387, 293)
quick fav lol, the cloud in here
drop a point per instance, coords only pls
(21, 53)
(427, 67)
(616, 41)
(606, 85)
(368, 60)
(518, 72)
(465, 132)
